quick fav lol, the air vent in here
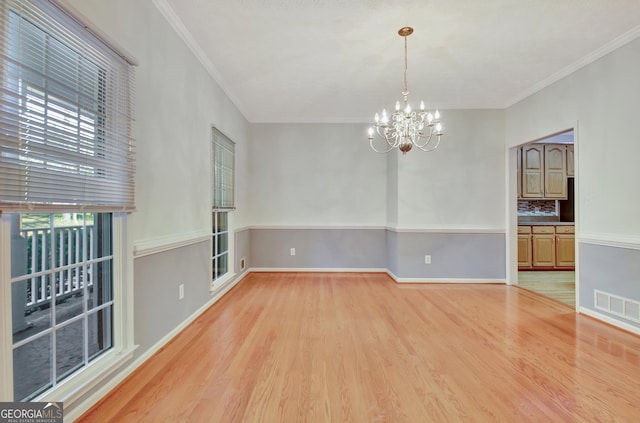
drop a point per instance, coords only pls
(623, 307)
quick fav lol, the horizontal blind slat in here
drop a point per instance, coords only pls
(65, 114)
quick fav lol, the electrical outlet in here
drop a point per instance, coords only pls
(242, 263)
(427, 259)
(181, 291)
(293, 251)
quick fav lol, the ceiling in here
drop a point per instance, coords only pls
(342, 60)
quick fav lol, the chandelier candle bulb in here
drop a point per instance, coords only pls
(407, 128)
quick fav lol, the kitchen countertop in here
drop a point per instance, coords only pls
(546, 223)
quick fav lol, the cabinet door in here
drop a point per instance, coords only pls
(555, 171)
(532, 171)
(565, 250)
(524, 251)
(543, 250)
(570, 168)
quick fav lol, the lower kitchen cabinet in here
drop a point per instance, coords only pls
(543, 249)
(524, 247)
(565, 247)
(546, 247)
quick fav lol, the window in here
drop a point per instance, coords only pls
(223, 150)
(62, 296)
(220, 259)
(66, 177)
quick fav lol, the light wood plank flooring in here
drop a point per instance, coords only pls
(560, 286)
(328, 347)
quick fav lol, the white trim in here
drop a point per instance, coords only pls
(410, 229)
(316, 270)
(610, 240)
(74, 387)
(6, 330)
(376, 270)
(446, 280)
(220, 283)
(610, 320)
(157, 245)
(85, 405)
(449, 229)
(318, 227)
(584, 61)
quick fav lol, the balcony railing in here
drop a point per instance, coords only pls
(68, 248)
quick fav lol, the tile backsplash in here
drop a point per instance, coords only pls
(538, 208)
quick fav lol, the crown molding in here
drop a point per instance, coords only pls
(197, 51)
(584, 61)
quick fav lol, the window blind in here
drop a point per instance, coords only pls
(223, 171)
(65, 115)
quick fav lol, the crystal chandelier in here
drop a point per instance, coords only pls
(406, 128)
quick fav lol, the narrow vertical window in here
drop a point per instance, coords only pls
(223, 157)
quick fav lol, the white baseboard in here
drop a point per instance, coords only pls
(611, 320)
(85, 405)
(316, 270)
(378, 270)
(446, 280)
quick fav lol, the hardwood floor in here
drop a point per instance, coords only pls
(559, 285)
(329, 347)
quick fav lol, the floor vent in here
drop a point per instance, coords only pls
(623, 307)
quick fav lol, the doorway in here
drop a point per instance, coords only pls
(545, 217)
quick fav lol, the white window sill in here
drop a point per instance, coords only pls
(74, 387)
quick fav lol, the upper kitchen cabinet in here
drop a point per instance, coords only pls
(570, 168)
(555, 171)
(533, 171)
(543, 171)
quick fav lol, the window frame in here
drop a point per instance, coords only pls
(75, 386)
(72, 389)
(222, 201)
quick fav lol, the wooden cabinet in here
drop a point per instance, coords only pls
(533, 171)
(570, 167)
(565, 247)
(546, 247)
(543, 171)
(543, 246)
(555, 171)
(524, 247)
(519, 173)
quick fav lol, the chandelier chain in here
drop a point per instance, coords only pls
(406, 88)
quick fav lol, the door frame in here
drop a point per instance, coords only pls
(511, 214)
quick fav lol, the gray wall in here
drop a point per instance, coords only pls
(613, 270)
(455, 256)
(243, 250)
(158, 310)
(318, 248)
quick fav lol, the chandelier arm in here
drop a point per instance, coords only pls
(423, 147)
(388, 137)
(380, 151)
